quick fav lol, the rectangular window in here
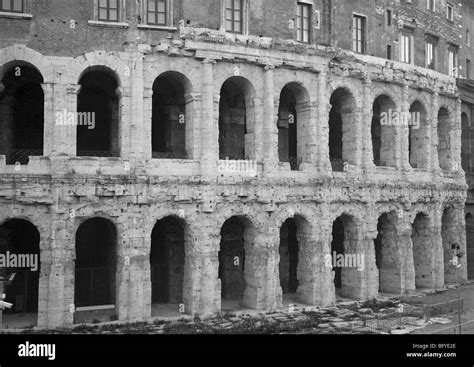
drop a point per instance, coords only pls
(430, 55)
(449, 12)
(234, 15)
(156, 12)
(468, 37)
(453, 63)
(431, 5)
(13, 6)
(468, 69)
(109, 10)
(389, 18)
(389, 52)
(405, 48)
(303, 22)
(358, 34)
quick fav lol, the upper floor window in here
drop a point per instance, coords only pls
(14, 6)
(453, 61)
(234, 16)
(431, 5)
(303, 22)
(449, 11)
(157, 12)
(430, 54)
(405, 48)
(358, 33)
(468, 37)
(109, 10)
(389, 18)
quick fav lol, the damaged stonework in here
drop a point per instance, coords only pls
(170, 225)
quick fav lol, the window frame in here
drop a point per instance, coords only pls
(429, 7)
(12, 3)
(453, 63)
(449, 7)
(244, 18)
(403, 49)
(433, 42)
(121, 22)
(156, 13)
(108, 9)
(301, 31)
(233, 20)
(355, 32)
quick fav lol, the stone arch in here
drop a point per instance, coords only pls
(21, 53)
(385, 119)
(294, 117)
(342, 128)
(389, 253)
(20, 240)
(445, 148)
(423, 250)
(452, 240)
(419, 129)
(96, 263)
(168, 262)
(82, 64)
(345, 244)
(99, 105)
(22, 112)
(236, 257)
(237, 119)
(172, 106)
(296, 239)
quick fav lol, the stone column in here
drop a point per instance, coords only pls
(270, 130)
(132, 296)
(202, 290)
(147, 122)
(56, 294)
(434, 131)
(368, 150)
(209, 122)
(456, 138)
(322, 127)
(59, 137)
(404, 156)
(262, 291)
(315, 276)
(138, 139)
(407, 270)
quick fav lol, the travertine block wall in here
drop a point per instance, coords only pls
(135, 191)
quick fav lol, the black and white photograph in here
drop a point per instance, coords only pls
(292, 174)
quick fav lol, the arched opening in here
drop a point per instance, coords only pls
(465, 143)
(451, 244)
(418, 136)
(387, 256)
(422, 251)
(342, 129)
(20, 254)
(237, 119)
(21, 113)
(444, 140)
(98, 114)
(293, 117)
(167, 263)
(170, 112)
(237, 236)
(344, 256)
(470, 245)
(289, 251)
(95, 269)
(384, 119)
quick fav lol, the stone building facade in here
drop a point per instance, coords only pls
(184, 164)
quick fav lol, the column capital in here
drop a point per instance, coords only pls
(269, 67)
(73, 88)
